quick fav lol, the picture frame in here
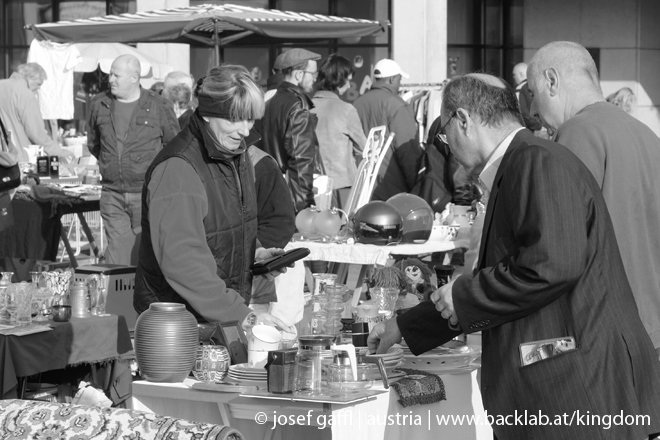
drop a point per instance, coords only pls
(231, 335)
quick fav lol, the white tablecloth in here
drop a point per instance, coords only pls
(290, 298)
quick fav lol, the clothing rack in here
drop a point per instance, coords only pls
(425, 100)
(423, 86)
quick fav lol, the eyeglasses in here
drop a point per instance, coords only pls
(314, 74)
(441, 134)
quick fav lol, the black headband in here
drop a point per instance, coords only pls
(209, 106)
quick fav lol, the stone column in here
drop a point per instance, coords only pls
(419, 39)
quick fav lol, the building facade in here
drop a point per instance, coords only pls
(431, 39)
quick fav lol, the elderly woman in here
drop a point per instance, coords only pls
(199, 217)
(339, 131)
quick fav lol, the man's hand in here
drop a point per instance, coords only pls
(383, 336)
(444, 303)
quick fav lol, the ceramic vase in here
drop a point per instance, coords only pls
(211, 363)
(166, 341)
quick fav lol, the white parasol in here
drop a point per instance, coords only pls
(103, 54)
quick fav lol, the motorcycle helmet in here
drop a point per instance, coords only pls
(417, 217)
(377, 223)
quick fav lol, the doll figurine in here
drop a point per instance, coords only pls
(418, 278)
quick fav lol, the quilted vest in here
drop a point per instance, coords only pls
(230, 225)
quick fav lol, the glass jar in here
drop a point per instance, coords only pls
(79, 299)
(318, 322)
(319, 303)
(321, 280)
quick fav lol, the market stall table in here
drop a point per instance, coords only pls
(37, 232)
(103, 342)
(290, 285)
(382, 417)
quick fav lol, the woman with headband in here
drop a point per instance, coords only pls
(199, 210)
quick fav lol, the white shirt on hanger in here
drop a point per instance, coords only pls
(56, 93)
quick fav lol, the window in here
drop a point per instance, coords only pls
(485, 36)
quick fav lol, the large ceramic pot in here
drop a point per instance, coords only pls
(211, 363)
(166, 340)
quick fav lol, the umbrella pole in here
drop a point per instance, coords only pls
(216, 42)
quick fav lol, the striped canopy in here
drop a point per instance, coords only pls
(205, 24)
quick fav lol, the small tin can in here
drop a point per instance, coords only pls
(79, 300)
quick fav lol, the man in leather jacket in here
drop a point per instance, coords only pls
(287, 127)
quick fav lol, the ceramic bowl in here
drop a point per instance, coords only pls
(61, 313)
(444, 232)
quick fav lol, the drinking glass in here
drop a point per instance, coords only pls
(98, 294)
(5, 283)
(58, 283)
(22, 300)
(41, 297)
(386, 298)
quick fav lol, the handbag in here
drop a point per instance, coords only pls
(10, 173)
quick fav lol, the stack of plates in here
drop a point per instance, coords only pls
(393, 358)
(246, 373)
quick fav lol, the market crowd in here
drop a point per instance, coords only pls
(203, 178)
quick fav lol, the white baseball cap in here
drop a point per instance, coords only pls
(386, 68)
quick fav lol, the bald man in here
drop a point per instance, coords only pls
(128, 126)
(621, 152)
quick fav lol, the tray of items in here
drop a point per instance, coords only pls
(453, 357)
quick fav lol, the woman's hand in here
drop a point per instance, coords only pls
(263, 254)
(263, 317)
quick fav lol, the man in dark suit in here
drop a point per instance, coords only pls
(549, 272)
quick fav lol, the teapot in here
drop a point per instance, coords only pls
(315, 355)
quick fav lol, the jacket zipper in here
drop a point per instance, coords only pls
(119, 154)
(244, 214)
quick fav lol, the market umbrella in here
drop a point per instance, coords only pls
(102, 55)
(212, 25)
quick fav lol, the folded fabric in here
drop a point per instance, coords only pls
(54, 196)
(419, 387)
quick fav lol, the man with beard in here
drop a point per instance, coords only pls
(288, 125)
